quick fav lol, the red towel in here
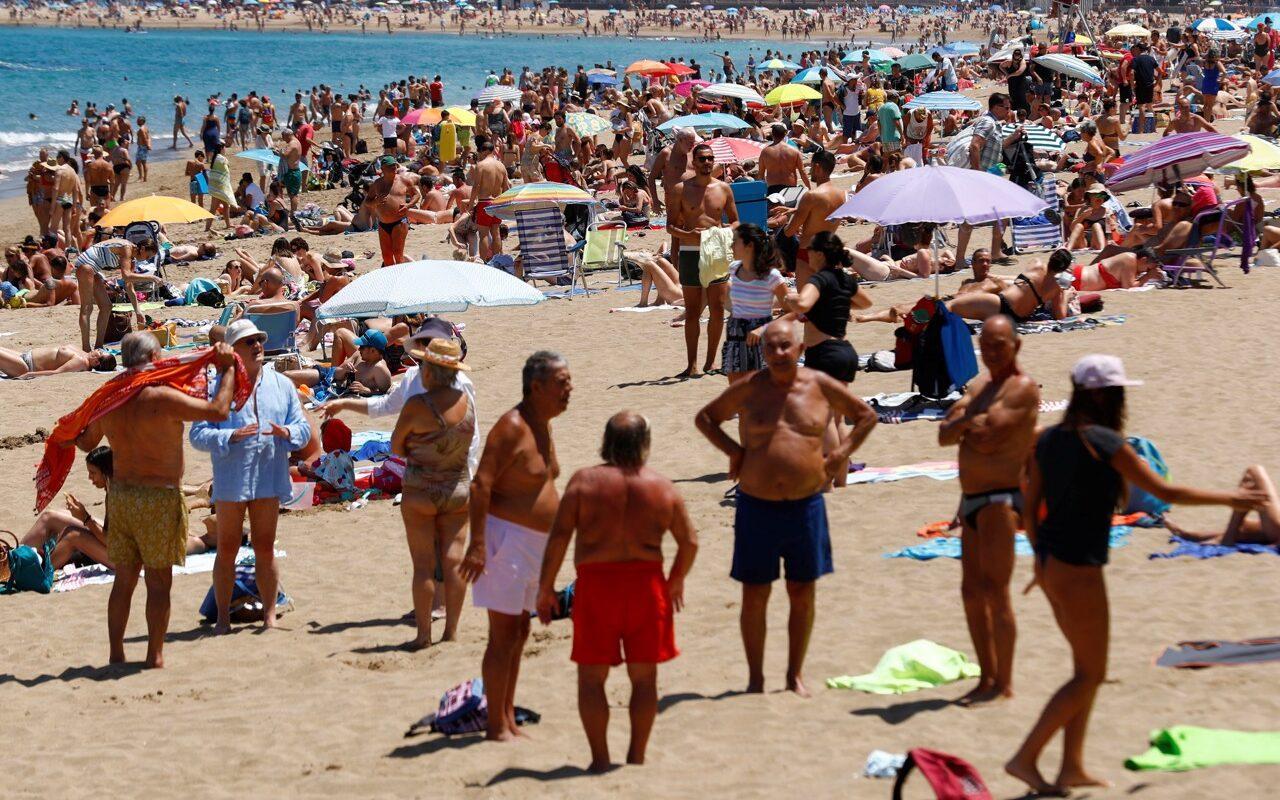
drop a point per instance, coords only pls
(186, 373)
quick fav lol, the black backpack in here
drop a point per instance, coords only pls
(929, 372)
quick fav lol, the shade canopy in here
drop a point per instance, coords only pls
(428, 287)
(155, 208)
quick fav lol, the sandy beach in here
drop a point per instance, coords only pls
(319, 708)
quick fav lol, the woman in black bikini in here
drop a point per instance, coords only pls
(1079, 472)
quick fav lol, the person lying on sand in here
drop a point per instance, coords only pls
(1119, 271)
(1242, 528)
(51, 360)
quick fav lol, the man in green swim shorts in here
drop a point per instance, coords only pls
(291, 169)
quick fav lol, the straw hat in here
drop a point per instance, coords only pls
(441, 352)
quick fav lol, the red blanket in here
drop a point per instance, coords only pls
(187, 373)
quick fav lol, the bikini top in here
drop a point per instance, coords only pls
(1024, 279)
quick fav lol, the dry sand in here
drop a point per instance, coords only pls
(319, 708)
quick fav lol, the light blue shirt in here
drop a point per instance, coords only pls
(256, 467)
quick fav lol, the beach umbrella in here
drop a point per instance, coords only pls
(893, 52)
(462, 117)
(601, 71)
(710, 121)
(602, 80)
(585, 123)
(671, 7)
(999, 9)
(428, 287)
(1272, 77)
(1219, 28)
(874, 56)
(779, 65)
(1071, 67)
(812, 75)
(1263, 156)
(940, 195)
(735, 90)
(944, 101)
(1257, 21)
(648, 67)
(957, 49)
(678, 70)
(264, 156)
(498, 92)
(1039, 137)
(685, 88)
(731, 150)
(914, 62)
(541, 193)
(791, 93)
(1127, 30)
(154, 208)
(1175, 157)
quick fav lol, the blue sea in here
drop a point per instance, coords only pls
(43, 69)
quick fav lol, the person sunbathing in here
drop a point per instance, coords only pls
(364, 373)
(1089, 226)
(1119, 271)
(658, 273)
(59, 289)
(40, 361)
(1242, 528)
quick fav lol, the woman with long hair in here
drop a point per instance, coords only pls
(1079, 475)
(754, 284)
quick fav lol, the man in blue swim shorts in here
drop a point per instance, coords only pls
(782, 465)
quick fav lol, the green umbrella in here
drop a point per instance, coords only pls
(911, 63)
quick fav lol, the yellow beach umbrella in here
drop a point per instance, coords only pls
(1263, 155)
(1127, 30)
(790, 93)
(155, 208)
(461, 117)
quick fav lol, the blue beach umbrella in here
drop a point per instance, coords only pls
(710, 121)
(944, 101)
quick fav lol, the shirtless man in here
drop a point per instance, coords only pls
(1183, 121)
(994, 424)
(672, 167)
(98, 176)
(513, 504)
(194, 168)
(364, 373)
(66, 198)
(812, 211)
(781, 515)
(148, 511)
(388, 195)
(621, 599)
(702, 203)
(49, 360)
(57, 290)
(781, 166)
(489, 177)
(179, 121)
(291, 169)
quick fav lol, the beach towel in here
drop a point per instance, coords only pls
(910, 667)
(1188, 549)
(949, 546)
(187, 373)
(715, 251)
(898, 407)
(950, 777)
(1185, 747)
(1198, 655)
(246, 599)
(448, 142)
(70, 578)
(370, 445)
(127, 308)
(937, 470)
(644, 310)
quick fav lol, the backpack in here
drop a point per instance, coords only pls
(1140, 500)
(463, 709)
(23, 568)
(907, 337)
(951, 778)
(929, 373)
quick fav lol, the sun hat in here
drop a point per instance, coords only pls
(442, 352)
(1097, 371)
(375, 339)
(242, 329)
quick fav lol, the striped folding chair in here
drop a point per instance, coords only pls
(1043, 231)
(543, 251)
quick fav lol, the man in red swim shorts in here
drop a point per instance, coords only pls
(621, 603)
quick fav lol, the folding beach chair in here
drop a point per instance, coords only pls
(603, 247)
(543, 250)
(1043, 231)
(279, 327)
(1227, 235)
(749, 197)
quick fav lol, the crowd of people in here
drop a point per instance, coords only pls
(780, 294)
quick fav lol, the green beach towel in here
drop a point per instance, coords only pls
(141, 307)
(1185, 747)
(917, 665)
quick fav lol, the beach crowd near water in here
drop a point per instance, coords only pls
(216, 336)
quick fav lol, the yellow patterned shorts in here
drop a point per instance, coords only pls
(146, 525)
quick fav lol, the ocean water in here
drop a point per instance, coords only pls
(42, 70)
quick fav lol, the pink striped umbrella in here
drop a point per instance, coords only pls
(1176, 157)
(732, 150)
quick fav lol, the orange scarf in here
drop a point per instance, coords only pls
(186, 373)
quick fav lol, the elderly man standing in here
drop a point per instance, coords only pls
(250, 453)
(145, 502)
(986, 149)
(513, 503)
(781, 470)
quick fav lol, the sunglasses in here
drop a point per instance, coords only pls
(704, 158)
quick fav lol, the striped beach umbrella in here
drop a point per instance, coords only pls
(736, 90)
(1072, 67)
(893, 52)
(710, 121)
(1219, 28)
(778, 64)
(1175, 157)
(542, 193)
(812, 75)
(944, 101)
(498, 92)
(791, 93)
(731, 150)
(1128, 30)
(1272, 77)
(1039, 137)
(585, 123)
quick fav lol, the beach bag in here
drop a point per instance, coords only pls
(246, 600)
(198, 287)
(957, 348)
(166, 335)
(929, 373)
(463, 709)
(907, 336)
(951, 778)
(1140, 500)
(23, 568)
(119, 325)
(337, 472)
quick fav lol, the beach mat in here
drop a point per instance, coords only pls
(1186, 747)
(937, 470)
(910, 667)
(1184, 548)
(894, 408)
(1199, 655)
(71, 578)
(1068, 325)
(949, 546)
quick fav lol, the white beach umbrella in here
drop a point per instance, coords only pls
(428, 287)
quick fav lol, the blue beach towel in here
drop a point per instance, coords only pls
(1191, 549)
(949, 546)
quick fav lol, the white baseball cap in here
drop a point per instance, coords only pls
(1097, 371)
(243, 329)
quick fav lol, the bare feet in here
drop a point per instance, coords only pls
(1067, 779)
(795, 684)
(599, 768)
(154, 662)
(984, 694)
(222, 629)
(116, 657)
(755, 685)
(690, 372)
(502, 736)
(1028, 774)
(415, 645)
